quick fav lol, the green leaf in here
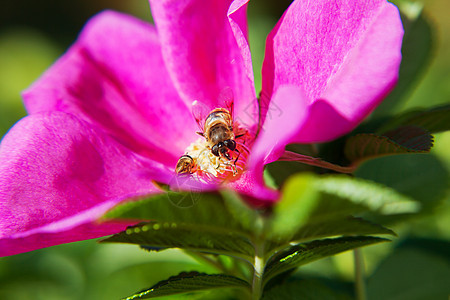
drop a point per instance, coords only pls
(249, 218)
(419, 177)
(205, 226)
(312, 202)
(319, 206)
(190, 282)
(207, 209)
(411, 273)
(316, 229)
(416, 53)
(311, 289)
(338, 227)
(308, 252)
(339, 196)
(212, 224)
(366, 146)
(188, 236)
(411, 137)
(298, 201)
(376, 197)
(434, 120)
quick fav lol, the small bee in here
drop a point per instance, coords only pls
(185, 165)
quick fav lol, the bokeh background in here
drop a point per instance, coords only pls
(33, 34)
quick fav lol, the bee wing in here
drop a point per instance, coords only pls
(200, 111)
(226, 98)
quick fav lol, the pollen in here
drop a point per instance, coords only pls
(212, 168)
(221, 152)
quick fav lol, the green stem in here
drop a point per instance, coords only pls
(203, 258)
(240, 268)
(235, 270)
(360, 285)
(258, 271)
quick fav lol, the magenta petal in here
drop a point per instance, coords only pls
(41, 239)
(57, 173)
(114, 77)
(206, 50)
(251, 186)
(285, 117)
(345, 54)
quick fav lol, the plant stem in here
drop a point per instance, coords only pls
(258, 270)
(203, 258)
(317, 162)
(360, 285)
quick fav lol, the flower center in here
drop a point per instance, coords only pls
(211, 160)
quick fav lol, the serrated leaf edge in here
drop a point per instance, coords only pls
(268, 276)
(145, 227)
(183, 276)
(359, 159)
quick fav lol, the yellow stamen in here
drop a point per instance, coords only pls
(214, 168)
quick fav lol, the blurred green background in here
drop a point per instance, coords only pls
(33, 34)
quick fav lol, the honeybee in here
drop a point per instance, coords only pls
(185, 165)
(218, 132)
(218, 152)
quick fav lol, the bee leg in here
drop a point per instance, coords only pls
(218, 165)
(220, 161)
(234, 169)
(232, 166)
(237, 158)
(227, 163)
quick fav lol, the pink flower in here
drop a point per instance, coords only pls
(113, 114)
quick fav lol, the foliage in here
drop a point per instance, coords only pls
(266, 243)
(256, 250)
(243, 252)
(318, 216)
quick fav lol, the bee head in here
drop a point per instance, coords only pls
(230, 144)
(215, 149)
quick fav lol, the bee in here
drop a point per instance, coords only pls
(219, 151)
(218, 131)
(185, 165)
